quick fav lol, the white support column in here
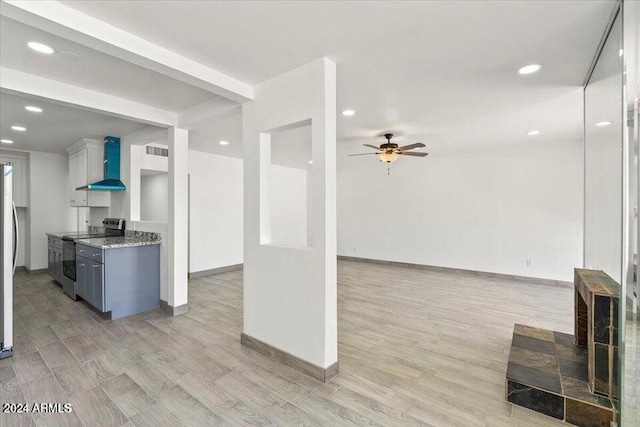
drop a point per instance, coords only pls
(290, 297)
(178, 239)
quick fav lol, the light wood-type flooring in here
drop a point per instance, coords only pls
(416, 347)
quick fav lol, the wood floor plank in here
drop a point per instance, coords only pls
(56, 354)
(127, 394)
(30, 368)
(65, 329)
(9, 384)
(69, 419)
(43, 390)
(156, 415)
(245, 390)
(96, 409)
(43, 336)
(82, 347)
(73, 379)
(16, 419)
(188, 409)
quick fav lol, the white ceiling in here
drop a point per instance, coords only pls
(443, 73)
(81, 66)
(56, 127)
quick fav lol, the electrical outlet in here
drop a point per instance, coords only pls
(529, 263)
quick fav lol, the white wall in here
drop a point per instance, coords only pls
(489, 210)
(216, 211)
(154, 197)
(288, 206)
(49, 208)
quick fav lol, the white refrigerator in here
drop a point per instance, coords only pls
(8, 257)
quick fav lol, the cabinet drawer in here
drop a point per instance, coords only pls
(55, 242)
(89, 252)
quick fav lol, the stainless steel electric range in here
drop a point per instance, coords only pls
(112, 227)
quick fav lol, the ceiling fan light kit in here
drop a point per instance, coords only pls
(389, 151)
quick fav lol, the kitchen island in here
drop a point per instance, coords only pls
(116, 274)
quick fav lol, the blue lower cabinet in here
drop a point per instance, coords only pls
(122, 281)
(90, 281)
(82, 278)
(97, 285)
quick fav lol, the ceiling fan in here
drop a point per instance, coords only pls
(389, 151)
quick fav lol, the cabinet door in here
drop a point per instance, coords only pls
(78, 177)
(82, 278)
(97, 282)
(57, 259)
(73, 165)
(81, 177)
(52, 263)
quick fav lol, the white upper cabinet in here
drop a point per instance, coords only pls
(86, 159)
(20, 176)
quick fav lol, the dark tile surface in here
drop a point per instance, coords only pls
(533, 359)
(614, 323)
(530, 331)
(585, 415)
(533, 344)
(573, 369)
(581, 322)
(579, 390)
(601, 319)
(573, 353)
(615, 386)
(601, 368)
(563, 339)
(538, 400)
(545, 383)
(534, 377)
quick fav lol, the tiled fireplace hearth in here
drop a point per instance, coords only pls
(571, 377)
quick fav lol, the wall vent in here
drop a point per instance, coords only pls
(157, 151)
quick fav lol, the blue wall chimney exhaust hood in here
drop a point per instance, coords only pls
(111, 181)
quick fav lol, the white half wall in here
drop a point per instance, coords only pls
(290, 295)
(489, 210)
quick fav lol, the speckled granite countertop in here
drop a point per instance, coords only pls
(118, 242)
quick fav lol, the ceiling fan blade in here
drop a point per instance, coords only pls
(414, 154)
(361, 154)
(371, 146)
(411, 146)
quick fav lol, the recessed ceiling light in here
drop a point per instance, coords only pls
(533, 132)
(223, 142)
(310, 162)
(39, 47)
(33, 109)
(605, 123)
(18, 128)
(528, 69)
(348, 112)
(6, 141)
